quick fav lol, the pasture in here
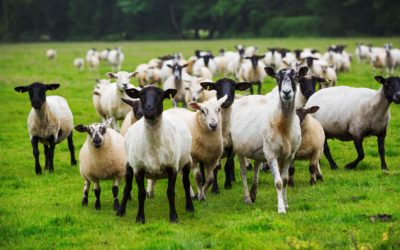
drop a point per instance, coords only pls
(42, 212)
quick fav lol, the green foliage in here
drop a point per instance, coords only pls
(45, 212)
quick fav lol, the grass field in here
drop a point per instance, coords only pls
(42, 212)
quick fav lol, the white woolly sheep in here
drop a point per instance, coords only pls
(102, 157)
(51, 54)
(392, 59)
(104, 54)
(195, 92)
(79, 63)
(50, 121)
(158, 146)
(252, 71)
(176, 81)
(351, 114)
(115, 58)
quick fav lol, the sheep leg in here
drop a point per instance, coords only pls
(141, 196)
(173, 217)
(273, 164)
(86, 188)
(254, 187)
(127, 190)
(285, 177)
(35, 142)
(150, 188)
(210, 177)
(186, 186)
(248, 164)
(319, 173)
(46, 156)
(229, 169)
(291, 175)
(243, 174)
(251, 89)
(381, 149)
(360, 152)
(203, 173)
(71, 149)
(51, 154)
(97, 191)
(313, 170)
(199, 181)
(259, 87)
(115, 194)
(328, 155)
(215, 188)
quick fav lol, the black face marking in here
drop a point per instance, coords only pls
(391, 88)
(254, 60)
(37, 92)
(308, 85)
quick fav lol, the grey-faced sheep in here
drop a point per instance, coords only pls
(133, 116)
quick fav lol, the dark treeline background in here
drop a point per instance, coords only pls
(59, 20)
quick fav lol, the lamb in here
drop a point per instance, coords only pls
(279, 138)
(227, 87)
(207, 144)
(252, 71)
(79, 63)
(51, 54)
(133, 116)
(102, 157)
(312, 144)
(195, 92)
(176, 81)
(157, 146)
(115, 58)
(107, 98)
(348, 113)
(50, 121)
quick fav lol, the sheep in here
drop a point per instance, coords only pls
(115, 58)
(91, 52)
(279, 138)
(155, 62)
(176, 81)
(93, 62)
(165, 70)
(227, 87)
(362, 52)
(234, 60)
(329, 74)
(250, 51)
(79, 63)
(392, 58)
(207, 144)
(195, 92)
(104, 54)
(102, 157)
(270, 55)
(204, 61)
(312, 144)
(252, 71)
(221, 62)
(133, 116)
(50, 121)
(348, 113)
(51, 54)
(157, 146)
(141, 75)
(108, 103)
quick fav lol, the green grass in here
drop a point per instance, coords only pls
(45, 211)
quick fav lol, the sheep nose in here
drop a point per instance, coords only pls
(286, 92)
(213, 126)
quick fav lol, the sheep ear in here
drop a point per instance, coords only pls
(111, 75)
(271, 72)
(261, 57)
(380, 79)
(107, 123)
(301, 113)
(208, 85)
(311, 110)
(97, 80)
(195, 105)
(22, 89)
(242, 86)
(81, 128)
(133, 74)
(185, 65)
(128, 101)
(169, 93)
(133, 93)
(52, 86)
(247, 57)
(222, 100)
(169, 66)
(302, 71)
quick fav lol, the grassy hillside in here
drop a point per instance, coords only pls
(45, 211)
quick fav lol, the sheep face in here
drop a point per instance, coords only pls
(286, 79)
(122, 79)
(152, 100)
(254, 60)
(226, 87)
(194, 90)
(136, 107)
(177, 70)
(96, 132)
(210, 112)
(240, 49)
(391, 88)
(207, 58)
(301, 112)
(308, 84)
(37, 92)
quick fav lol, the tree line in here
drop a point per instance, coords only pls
(62, 20)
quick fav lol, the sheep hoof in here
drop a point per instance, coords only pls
(249, 167)
(97, 205)
(150, 195)
(247, 200)
(253, 193)
(39, 172)
(228, 186)
(173, 218)
(140, 218)
(291, 182)
(84, 202)
(281, 211)
(320, 177)
(120, 212)
(73, 162)
(116, 205)
(202, 199)
(313, 181)
(215, 190)
(334, 166)
(189, 207)
(350, 166)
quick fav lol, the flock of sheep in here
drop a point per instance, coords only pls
(291, 122)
